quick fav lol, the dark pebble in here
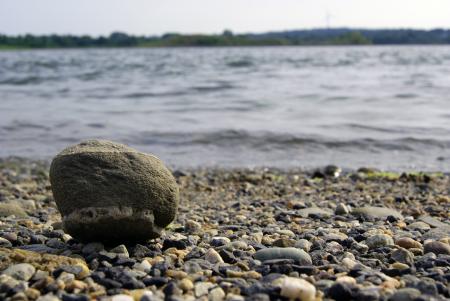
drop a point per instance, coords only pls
(157, 281)
(180, 244)
(341, 292)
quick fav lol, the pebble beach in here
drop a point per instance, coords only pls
(240, 234)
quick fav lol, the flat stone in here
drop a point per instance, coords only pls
(284, 253)
(122, 297)
(379, 240)
(21, 271)
(435, 223)
(12, 208)
(40, 248)
(5, 243)
(437, 248)
(120, 249)
(405, 294)
(216, 294)
(48, 297)
(377, 212)
(419, 226)
(408, 243)
(284, 243)
(403, 256)
(219, 241)
(213, 257)
(314, 211)
(202, 288)
(342, 209)
(296, 289)
(93, 247)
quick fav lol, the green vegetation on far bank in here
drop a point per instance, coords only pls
(227, 38)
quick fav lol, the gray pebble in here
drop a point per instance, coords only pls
(21, 271)
(284, 253)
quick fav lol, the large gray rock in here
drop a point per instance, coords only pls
(284, 253)
(110, 192)
(377, 212)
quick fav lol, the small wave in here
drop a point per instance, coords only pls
(29, 80)
(212, 88)
(96, 125)
(240, 63)
(271, 140)
(405, 95)
(23, 125)
(152, 94)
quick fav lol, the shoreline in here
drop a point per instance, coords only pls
(224, 219)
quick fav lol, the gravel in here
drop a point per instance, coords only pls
(240, 234)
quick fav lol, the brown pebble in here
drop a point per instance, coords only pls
(437, 248)
(408, 243)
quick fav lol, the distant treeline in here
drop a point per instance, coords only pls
(338, 36)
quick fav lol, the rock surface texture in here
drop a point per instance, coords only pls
(108, 191)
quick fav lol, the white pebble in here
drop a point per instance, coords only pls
(296, 288)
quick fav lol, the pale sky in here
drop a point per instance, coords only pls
(155, 17)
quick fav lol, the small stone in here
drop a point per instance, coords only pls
(48, 297)
(348, 263)
(303, 244)
(234, 297)
(40, 248)
(122, 297)
(21, 271)
(179, 244)
(143, 266)
(219, 241)
(379, 240)
(284, 243)
(5, 243)
(334, 247)
(296, 289)
(284, 253)
(176, 274)
(93, 247)
(192, 226)
(342, 209)
(32, 293)
(346, 279)
(66, 277)
(213, 257)
(377, 212)
(107, 191)
(186, 284)
(340, 291)
(120, 249)
(437, 248)
(405, 294)
(403, 256)
(368, 294)
(13, 208)
(408, 243)
(202, 288)
(20, 296)
(314, 211)
(419, 226)
(399, 266)
(216, 294)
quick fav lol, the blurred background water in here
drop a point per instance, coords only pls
(286, 107)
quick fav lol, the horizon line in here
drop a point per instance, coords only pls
(234, 33)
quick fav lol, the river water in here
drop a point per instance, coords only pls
(287, 107)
